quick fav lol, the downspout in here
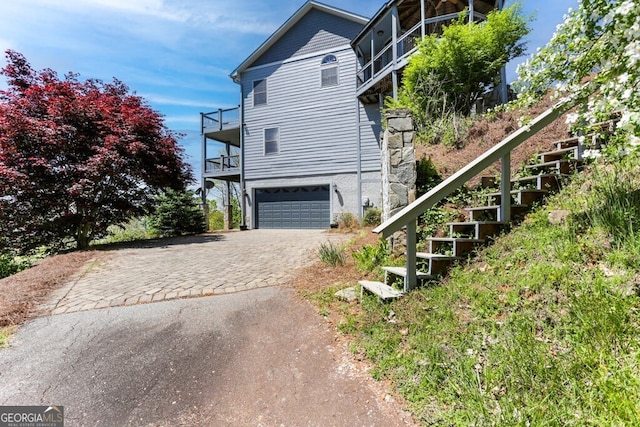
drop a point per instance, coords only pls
(243, 188)
(359, 160)
(471, 11)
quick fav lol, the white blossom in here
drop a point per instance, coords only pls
(572, 118)
(625, 8)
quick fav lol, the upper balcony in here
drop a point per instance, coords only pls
(222, 125)
(391, 37)
(221, 139)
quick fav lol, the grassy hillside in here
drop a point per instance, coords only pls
(542, 328)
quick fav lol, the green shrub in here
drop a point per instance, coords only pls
(10, 264)
(369, 257)
(372, 217)
(177, 213)
(135, 229)
(427, 176)
(347, 220)
(449, 72)
(216, 220)
(333, 255)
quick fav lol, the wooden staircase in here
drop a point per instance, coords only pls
(542, 177)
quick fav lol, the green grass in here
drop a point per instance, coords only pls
(134, 230)
(543, 329)
(332, 254)
(5, 334)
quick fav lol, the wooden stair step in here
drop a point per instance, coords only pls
(563, 166)
(549, 181)
(476, 229)
(559, 154)
(494, 211)
(524, 196)
(459, 246)
(402, 272)
(436, 257)
(438, 264)
(380, 289)
(566, 143)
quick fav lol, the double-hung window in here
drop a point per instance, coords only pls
(259, 92)
(271, 141)
(329, 71)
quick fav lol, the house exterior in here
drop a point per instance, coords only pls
(304, 145)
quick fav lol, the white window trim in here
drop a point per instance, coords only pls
(330, 65)
(264, 141)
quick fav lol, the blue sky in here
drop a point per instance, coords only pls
(178, 54)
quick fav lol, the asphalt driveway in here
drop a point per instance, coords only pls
(260, 357)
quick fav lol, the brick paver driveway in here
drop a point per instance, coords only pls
(188, 267)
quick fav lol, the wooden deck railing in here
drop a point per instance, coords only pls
(407, 42)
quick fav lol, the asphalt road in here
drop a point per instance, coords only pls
(256, 358)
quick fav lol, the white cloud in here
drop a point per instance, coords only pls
(178, 102)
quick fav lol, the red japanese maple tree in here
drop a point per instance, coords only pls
(77, 156)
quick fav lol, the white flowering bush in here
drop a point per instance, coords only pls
(598, 42)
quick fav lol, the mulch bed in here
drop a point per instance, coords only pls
(21, 293)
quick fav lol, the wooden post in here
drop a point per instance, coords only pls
(411, 279)
(394, 49)
(505, 187)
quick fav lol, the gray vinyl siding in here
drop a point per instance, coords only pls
(316, 31)
(318, 126)
(370, 137)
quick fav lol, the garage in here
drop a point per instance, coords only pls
(293, 207)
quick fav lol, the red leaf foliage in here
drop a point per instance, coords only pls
(77, 156)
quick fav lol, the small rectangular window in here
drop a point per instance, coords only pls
(259, 92)
(329, 76)
(271, 141)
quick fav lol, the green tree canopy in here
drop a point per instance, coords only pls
(77, 156)
(449, 72)
(177, 213)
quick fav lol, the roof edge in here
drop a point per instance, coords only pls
(289, 23)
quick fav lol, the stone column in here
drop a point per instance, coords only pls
(398, 163)
(398, 168)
